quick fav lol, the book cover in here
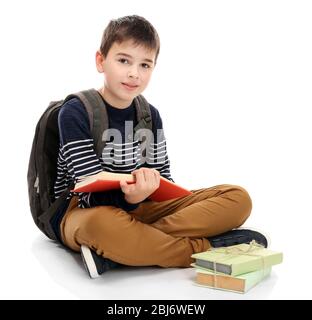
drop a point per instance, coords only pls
(238, 259)
(104, 181)
(241, 283)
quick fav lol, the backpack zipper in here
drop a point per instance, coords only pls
(36, 184)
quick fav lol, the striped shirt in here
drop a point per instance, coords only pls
(123, 152)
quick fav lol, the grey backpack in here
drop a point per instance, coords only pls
(42, 167)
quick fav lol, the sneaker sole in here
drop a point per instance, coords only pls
(89, 262)
(257, 230)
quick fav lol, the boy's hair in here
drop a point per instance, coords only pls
(134, 28)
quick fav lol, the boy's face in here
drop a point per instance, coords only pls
(127, 70)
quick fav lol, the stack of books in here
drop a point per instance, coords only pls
(236, 268)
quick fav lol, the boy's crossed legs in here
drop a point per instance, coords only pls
(157, 233)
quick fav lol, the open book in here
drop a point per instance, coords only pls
(104, 181)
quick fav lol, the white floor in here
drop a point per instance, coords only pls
(37, 268)
(59, 274)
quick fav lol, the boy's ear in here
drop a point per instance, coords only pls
(99, 60)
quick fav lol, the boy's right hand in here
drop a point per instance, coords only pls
(146, 182)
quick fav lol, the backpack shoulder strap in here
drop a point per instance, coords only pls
(144, 115)
(97, 113)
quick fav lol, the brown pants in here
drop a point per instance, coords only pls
(165, 233)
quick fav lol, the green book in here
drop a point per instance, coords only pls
(238, 259)
(241, 283)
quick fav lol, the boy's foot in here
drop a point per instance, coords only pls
(95, 264)
(237, 236)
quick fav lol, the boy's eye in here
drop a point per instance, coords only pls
(145, 65)
(122, 60)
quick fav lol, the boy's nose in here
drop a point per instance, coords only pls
(133, 73)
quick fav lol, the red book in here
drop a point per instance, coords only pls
(104, 181)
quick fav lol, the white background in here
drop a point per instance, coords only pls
(233, 86)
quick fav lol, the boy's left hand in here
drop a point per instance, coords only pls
(147, 181)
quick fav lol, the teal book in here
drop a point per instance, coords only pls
(238, 259)
(240, 284)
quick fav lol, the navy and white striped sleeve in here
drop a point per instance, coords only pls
(78, 155)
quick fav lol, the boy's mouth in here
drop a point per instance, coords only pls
(129, 86)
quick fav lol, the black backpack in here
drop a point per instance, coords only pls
(42, 168)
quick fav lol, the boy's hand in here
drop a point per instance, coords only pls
(146, 182)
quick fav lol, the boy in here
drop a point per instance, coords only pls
(122, 226)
